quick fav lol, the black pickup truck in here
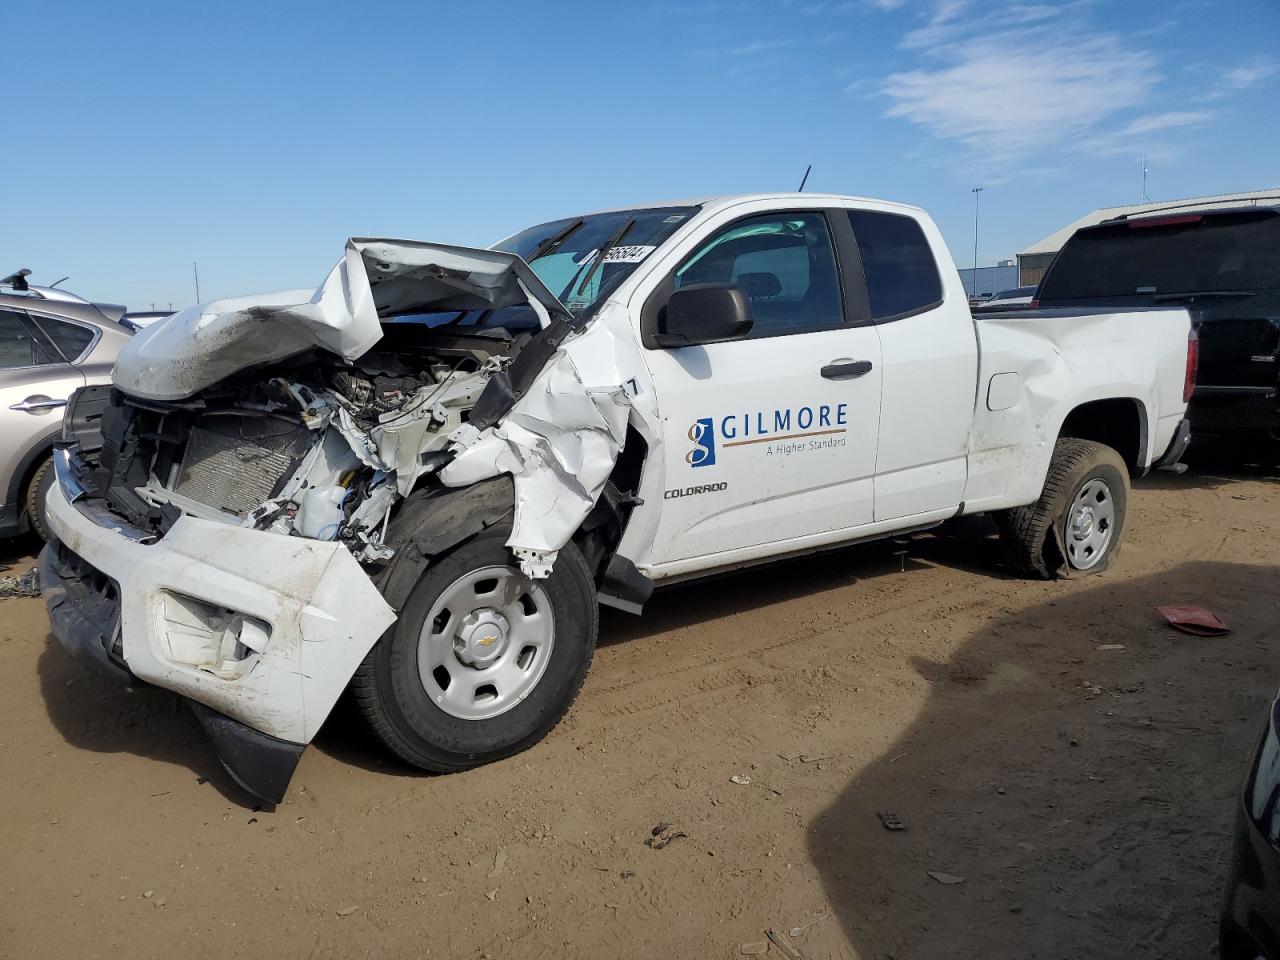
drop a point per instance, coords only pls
(1223, 264)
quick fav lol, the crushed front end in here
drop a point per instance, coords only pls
(222, 513)
(222, 546)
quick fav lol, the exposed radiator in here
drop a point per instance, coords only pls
(235, 462)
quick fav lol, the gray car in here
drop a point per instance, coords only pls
(51, 342)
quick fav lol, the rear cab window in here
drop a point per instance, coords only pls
(901, 273)
(1148, 259)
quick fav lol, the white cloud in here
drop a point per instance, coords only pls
(1249, 74)
(759, 46)
(815, 8)
(1021, 85)
(1165, 121)
(955, 21)
(1030, 13)
(943, 26)
(1010, 95)
(1144, 136)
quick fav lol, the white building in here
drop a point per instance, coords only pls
(988, 281)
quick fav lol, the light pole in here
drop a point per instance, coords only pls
(976, 191)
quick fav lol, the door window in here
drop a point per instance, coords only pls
(901, 274)
(785, 265)
(18, 348)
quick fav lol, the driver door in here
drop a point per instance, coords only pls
(769, 438)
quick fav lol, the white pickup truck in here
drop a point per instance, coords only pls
(422, 478)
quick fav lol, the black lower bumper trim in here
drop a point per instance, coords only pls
(260, 763)
(84, 610)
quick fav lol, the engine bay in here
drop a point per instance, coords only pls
(314, 446)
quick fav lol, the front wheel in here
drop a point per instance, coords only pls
(1076, 526)
(483, 661)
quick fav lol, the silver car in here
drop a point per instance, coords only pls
(51, 342)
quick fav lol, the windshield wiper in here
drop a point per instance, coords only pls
(553, 241)
(1196, 294)
(604, 252)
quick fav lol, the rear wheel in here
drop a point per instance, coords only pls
(37, 496)
(483, 661)
(1076, 526)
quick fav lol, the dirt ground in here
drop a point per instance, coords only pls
(1084, 794)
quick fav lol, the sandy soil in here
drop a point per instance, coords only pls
(1085, 795)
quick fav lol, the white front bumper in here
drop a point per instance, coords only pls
(323, 611)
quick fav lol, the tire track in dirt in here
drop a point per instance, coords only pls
(621, 690)
(684, 671)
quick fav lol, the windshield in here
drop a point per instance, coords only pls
(563, 254)
(1235, 253)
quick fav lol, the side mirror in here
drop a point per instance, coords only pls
(704, 313)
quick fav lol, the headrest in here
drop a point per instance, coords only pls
(758, 285)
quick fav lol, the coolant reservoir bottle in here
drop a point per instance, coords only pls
(320, 514)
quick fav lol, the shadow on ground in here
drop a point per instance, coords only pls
(1085, 796)
(1213, 464)
(18, 554)
(94, 712)
(711, 598)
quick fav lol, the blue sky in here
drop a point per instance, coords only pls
(255, 137)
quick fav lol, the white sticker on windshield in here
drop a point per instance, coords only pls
(632, 254)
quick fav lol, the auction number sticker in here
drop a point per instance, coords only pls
(632, 254)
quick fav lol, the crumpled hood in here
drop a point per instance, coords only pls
(203, 344)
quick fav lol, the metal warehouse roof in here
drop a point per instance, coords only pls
(1053, 243)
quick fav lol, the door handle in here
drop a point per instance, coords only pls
(846, 369)
(37, 404)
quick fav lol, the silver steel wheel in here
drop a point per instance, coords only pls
(486, 643)
(1091, 520)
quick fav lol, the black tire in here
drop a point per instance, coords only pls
(391, 695)
(1033, 538)
(37, 494)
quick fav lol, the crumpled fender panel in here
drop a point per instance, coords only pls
(559, 441)
(204, 344)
